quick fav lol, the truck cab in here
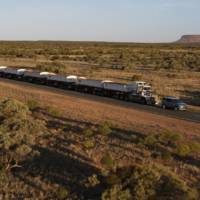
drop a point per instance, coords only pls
(141, 92)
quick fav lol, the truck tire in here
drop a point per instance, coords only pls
(143, 101)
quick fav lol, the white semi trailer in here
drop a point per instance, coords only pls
(63, 81)
(13, 73)
(90, 86)
(139, 91)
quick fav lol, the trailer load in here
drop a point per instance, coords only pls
(62, 81)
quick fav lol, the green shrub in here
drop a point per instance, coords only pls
(32, 104)
(10, 108)
(18, 129)
(93, 181)
(137, 183)
(145, 180)
(88, 133)
(89, 144)
(116, 193)
(145, 183)
(195, 147)
(172, 187)
(23, 150)
(62, 193)
(169, 138)
(166, 155)
(183, 150)
(55, 67)
(150, 140)
(104, 128)
(107, 161)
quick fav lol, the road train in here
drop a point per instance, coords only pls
(138, 91)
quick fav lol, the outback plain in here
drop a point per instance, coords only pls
(67, 145)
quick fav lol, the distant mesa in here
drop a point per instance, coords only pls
(189, 39)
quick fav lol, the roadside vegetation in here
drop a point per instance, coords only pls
(47, 155)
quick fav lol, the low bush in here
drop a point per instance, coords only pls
(10, 108)
(166, 155)
(116, 193)
(166, 137)
(89, 144)
(107, 161)
(88, 133)
(62, 193)
(55, 67)
(23, 150)
(183, 150)
(150, 140)
(169, 138)
(141, 182)
(93, 181)
(104, 129)
(32, 104)
(194, 147)
(18, 129)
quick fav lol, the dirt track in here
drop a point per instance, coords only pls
(96, 109)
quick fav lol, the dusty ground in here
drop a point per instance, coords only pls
(95, 112)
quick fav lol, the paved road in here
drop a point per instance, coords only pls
(184, 115)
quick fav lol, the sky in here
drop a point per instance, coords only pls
(99, 20)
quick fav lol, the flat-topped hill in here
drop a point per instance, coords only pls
(189, 39)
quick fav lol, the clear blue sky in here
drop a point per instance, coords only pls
(102, 20)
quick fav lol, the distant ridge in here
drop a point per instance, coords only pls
(189, 39)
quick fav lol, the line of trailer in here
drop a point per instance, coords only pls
(138, 91)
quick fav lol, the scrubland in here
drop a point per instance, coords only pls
(172, 69)
(61, 147)
(54, 146)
